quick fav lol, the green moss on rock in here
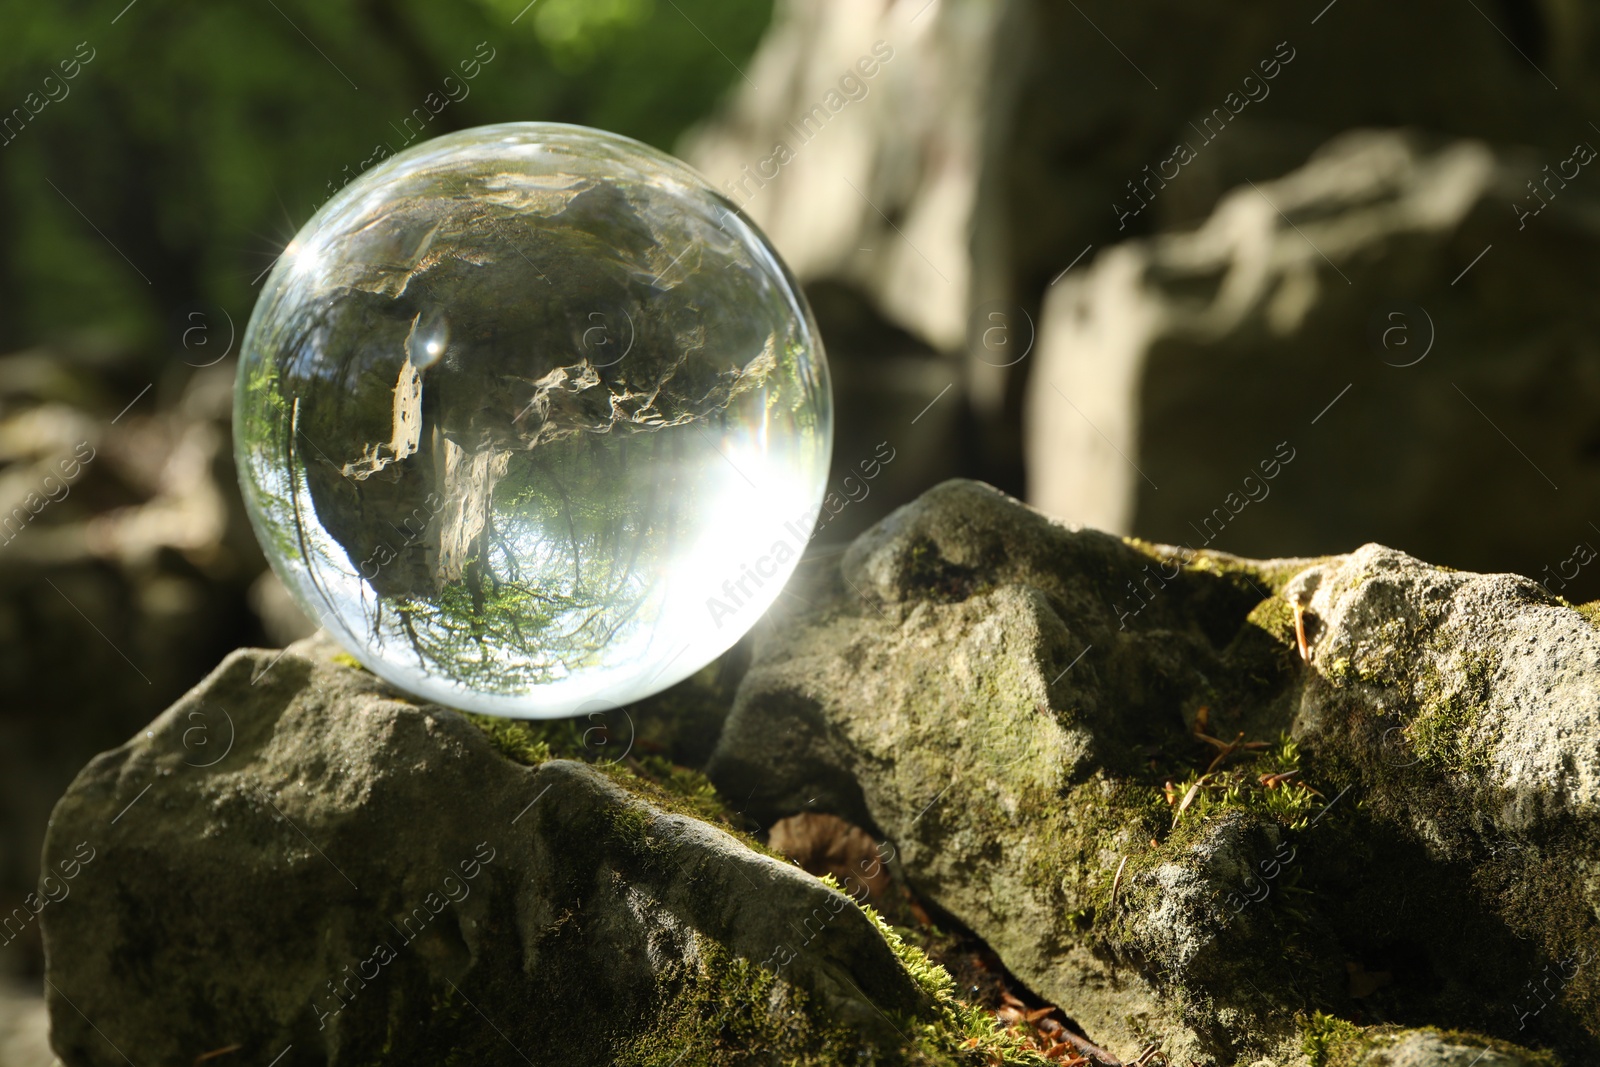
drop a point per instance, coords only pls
(516, 740)
(681, 790)
(1590, 611)
(345, 659)
(1269, 787)
(723, 1010)
(959, 1032)
(1275, 616)
(1441, 731)
(1329, 1041)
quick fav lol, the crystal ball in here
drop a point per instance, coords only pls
(532, 420)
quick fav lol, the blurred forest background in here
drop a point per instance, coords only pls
(1275, 278)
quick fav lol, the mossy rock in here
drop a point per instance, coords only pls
(1332, 1042)
(1401, 820)
(366, 881)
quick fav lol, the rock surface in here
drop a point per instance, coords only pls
(1344, 281)
(294, 857)
(1110, 761)
(1335, 812)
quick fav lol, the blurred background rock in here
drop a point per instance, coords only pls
(1019, 274)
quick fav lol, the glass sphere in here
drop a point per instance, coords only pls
(532, 420)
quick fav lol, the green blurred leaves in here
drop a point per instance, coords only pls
(201, 136)
(575, 31)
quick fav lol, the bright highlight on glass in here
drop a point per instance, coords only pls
(518, 413)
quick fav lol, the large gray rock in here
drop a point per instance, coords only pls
(294, 861)
(1332, 313)
(1412, 834)
(1425, 1049)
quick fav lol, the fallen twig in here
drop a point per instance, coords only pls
(1188, 798)
(1115, 882)
(1088, 1048)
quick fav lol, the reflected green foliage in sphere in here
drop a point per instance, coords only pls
(532, 420)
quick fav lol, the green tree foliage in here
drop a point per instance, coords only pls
(196, 138)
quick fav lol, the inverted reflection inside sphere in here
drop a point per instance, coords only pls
(531, 420)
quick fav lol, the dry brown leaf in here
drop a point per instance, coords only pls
(826, 844)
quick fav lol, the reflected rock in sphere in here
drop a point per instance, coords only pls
(532, 420)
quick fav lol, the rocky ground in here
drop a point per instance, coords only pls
(995, 790)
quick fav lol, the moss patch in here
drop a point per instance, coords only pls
(959, 1032)
(1328, 1041)
(723, 1010)
(1268, 787)
(939, 579)
(1590, 611)
(516, 740)
(1441, 730)
(670, 787)
(1276, 617)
